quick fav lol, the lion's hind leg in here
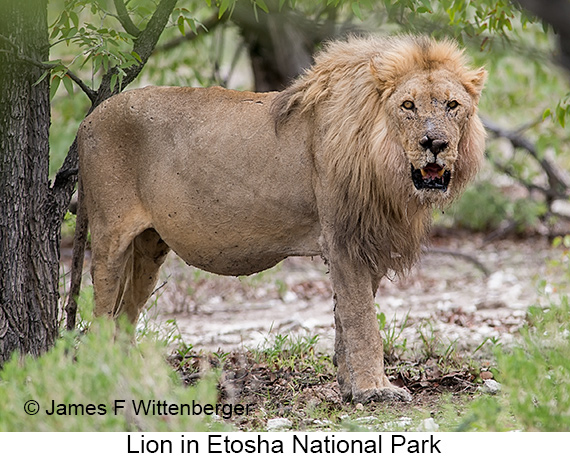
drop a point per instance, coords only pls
(147, 253)
(127, 255)
(108, 265)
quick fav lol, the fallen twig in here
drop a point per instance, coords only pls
(461, 255)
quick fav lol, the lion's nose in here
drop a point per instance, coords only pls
(435, 146)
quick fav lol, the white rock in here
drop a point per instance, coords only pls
(490, 386)
(428, 425)
(366, 419)
(278, 423)
(290, 297)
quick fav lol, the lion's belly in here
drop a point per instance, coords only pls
(236, 246)
(230, 227)
(229, 262)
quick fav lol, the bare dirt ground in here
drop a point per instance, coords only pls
(445, 294)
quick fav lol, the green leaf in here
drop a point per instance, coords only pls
(114, 81)
(74, 18)
(224, 5)
(356, 10)
(262, 5)
(181, 25)
(192, 24)
(136, 56)
(68, 84)
(561, 115)
(55, 81)
(426, 7)
(547, 113)
(54, 33)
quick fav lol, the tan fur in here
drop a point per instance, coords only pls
(234, 182)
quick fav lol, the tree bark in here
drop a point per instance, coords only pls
(29, 236)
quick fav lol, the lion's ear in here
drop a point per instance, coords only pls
(384, 79)
(474, 81)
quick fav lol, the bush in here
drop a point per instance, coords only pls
(482, 207)
(98, 368)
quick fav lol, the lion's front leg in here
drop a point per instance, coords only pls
(358, 347)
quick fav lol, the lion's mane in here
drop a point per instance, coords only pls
(378, 220)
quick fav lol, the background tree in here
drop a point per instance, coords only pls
(29, 243)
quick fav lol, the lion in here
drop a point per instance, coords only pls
(346, 163)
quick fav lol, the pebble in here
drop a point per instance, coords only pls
(486, 375)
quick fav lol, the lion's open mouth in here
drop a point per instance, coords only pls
(432, 176)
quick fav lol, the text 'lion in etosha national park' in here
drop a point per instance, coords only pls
(347, 163)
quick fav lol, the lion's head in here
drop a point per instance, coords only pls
(399, 133)
(430, 98)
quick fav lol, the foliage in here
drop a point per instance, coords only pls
(98, 367)
(486, 207)
(94, 33)
(481, 208)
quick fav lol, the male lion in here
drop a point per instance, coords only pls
(346, 163)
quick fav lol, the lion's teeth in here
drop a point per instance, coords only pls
(424, 173)
(441, 172)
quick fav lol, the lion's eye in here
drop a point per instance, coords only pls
(453, 104)
(408, 104)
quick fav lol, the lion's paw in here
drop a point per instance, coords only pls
(384, 395)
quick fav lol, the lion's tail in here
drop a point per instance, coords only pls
(79, 242)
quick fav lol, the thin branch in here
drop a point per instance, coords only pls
(146, 41)
(84, 87)
(81, 230)
(557, 183)
(208, 25)
(125, 19)
(50, 66)
(529, 185)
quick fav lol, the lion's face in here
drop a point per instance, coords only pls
(430, 111)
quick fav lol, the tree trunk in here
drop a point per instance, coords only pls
(281, 43)
(29, 234)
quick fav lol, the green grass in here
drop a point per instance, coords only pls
(283, 352)
(535, 378)
(98, 368)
